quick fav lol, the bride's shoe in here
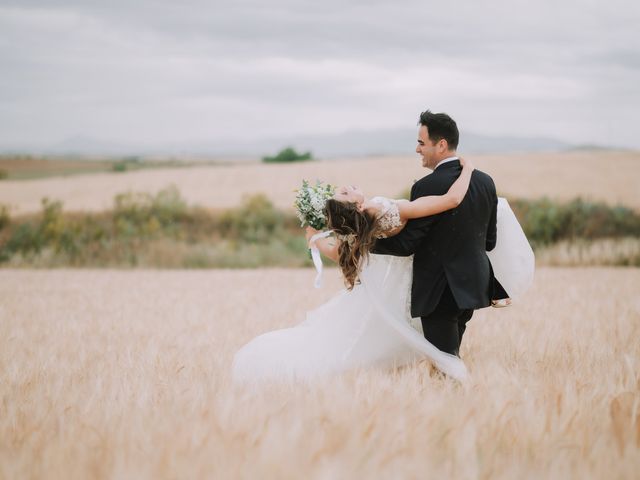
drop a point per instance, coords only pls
(503, 302)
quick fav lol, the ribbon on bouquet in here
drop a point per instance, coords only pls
(315, 256)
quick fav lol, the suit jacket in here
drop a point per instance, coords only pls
(449, 248)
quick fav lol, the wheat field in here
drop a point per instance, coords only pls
(607, 176)
(125, 374)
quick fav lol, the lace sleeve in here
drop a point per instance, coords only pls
(389, 221)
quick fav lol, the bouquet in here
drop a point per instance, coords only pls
(310, 201)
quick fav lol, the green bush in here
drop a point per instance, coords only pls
(256, 220)
(254, 234)
(161, 230)
(51, 230)
(24, 240)
(546, 222)
(288, 155)
(125, 164)
(5, 219)
(144, 215)
(3, 174)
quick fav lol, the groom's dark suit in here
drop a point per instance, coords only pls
(452, 275)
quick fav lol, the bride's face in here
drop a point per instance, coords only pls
(349, 193)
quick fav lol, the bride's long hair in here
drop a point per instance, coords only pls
(357, 231)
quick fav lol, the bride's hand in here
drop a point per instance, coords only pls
(310, 232)
(466, 164)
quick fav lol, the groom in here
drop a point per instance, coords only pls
(452, 275)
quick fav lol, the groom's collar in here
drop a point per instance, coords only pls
(446, 160)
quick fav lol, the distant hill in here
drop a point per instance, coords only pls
(349, 143)
(384, 142)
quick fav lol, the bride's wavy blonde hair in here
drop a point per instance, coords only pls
(357, 231)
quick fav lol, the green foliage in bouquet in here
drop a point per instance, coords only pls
(310, 202)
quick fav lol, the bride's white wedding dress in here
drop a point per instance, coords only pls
(371, 325)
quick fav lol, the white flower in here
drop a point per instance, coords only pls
(317, 203)
(310, 202)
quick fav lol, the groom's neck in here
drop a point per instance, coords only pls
(449, 154)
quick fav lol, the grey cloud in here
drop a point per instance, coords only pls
(531, 61)
(345, 29)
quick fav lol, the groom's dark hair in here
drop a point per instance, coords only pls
(440, 126)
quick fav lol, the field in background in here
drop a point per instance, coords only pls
(20, 167)
(607, 176)
(26, 167)
(111, 374)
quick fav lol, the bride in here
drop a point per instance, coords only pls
(368, 324)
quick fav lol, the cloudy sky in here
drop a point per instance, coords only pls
(167, 72)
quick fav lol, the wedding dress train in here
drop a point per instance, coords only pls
(371, 326)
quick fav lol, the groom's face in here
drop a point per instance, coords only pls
(431, 152)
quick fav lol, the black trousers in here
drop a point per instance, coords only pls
(445, 326)
(498, 291)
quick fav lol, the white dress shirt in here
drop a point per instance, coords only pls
(448, 159)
